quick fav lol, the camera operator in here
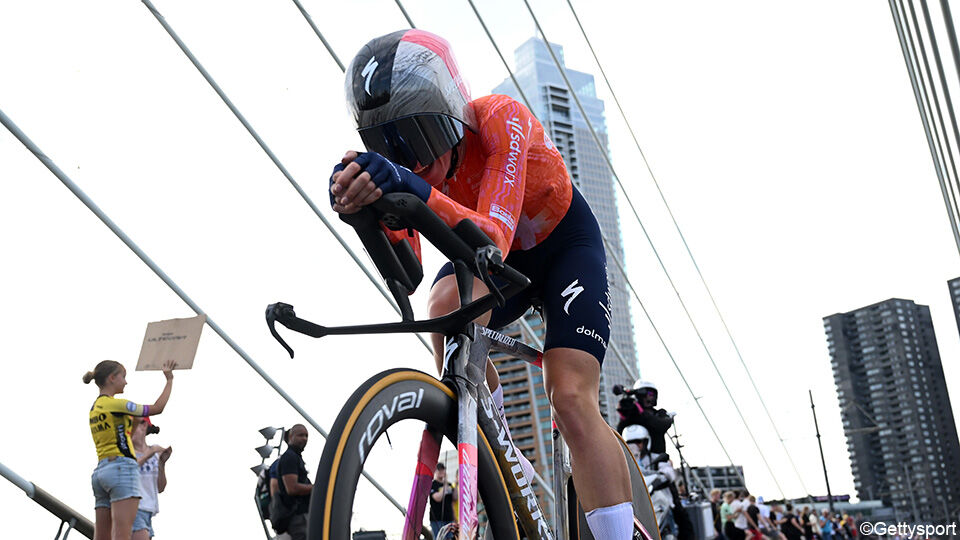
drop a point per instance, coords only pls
(638, 406)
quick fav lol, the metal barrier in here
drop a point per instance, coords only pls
(68, 516)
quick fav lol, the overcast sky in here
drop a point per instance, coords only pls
(785, 138)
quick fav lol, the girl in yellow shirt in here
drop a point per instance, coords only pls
(116, 480)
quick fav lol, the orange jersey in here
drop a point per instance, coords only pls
(511, 181)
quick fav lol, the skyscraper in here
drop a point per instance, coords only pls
(525, 402)
(954, 286)
(551, 102)
(896, 412)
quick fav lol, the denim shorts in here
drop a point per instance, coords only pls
(144, 520)
(115, 481)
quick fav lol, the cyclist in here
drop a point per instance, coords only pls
(490, 160)
(116, 480)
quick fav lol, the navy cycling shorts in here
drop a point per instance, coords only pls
(568, 274)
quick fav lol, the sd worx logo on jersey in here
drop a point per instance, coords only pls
(401, 402)
(513, 158)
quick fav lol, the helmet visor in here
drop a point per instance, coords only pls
(413, 141)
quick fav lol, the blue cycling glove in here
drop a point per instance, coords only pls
(337, 168)
(392, 178)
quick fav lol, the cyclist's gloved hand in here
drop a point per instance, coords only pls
(338, 168)
(392, 178)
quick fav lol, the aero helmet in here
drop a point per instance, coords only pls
(407, 98)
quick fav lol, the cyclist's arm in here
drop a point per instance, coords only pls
(505, 140)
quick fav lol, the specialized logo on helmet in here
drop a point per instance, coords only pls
(573, 290)
(368, 73)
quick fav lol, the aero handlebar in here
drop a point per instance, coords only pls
(470, 250)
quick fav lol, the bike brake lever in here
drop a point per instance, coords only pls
(278, 311)
(489, 256)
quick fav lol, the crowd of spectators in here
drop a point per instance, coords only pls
(741, 516)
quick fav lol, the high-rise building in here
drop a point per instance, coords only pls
(551, 102)
(526, 404)
(896, 412)
(954, 286)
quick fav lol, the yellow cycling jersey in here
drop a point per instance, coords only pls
(111, 424)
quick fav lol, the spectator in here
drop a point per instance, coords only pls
(753, 518)
(805, 521)
(442, 496)
(716, 499)
(790, 526)
(294, 485)
(740, 514)
(153, 477)
(814, 524)
(116, 480)
(768, 527)
(826, 525)
(728, 511)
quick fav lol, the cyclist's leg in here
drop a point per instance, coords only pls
(572, 379)
(576, 303)
(445, 298)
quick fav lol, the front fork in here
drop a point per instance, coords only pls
(422, 480)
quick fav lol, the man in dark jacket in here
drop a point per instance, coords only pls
(295, 487)
(640, 407)
(642, 410)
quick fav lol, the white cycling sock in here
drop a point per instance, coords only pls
(612, 522)
(498, 403)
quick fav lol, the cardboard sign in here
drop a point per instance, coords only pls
(175, 339)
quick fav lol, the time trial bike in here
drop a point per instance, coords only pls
(458, 406)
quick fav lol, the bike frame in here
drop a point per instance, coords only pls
(465, 360)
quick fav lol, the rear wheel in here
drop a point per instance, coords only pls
(385, 401)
